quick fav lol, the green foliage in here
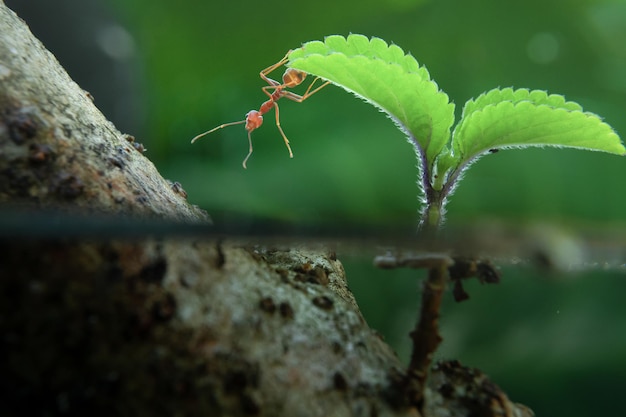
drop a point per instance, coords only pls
(519, 118)
(394, 82)
(389, 79)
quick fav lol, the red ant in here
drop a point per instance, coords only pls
(254, 119)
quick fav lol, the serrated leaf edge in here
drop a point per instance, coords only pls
(458, 131)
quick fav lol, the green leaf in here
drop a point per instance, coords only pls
(537, 97)
(505, 118)
(388, 78)
(525, 123)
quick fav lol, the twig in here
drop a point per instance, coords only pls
(426, 337)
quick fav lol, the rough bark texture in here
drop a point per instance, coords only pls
(58, 150)
(161, 326)
(151, 328)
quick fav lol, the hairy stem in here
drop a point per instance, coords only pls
(433, 213)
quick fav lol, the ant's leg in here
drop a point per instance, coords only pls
(272, 68)
(271, 88)
(308, 93)
(273, 85)
(249, 151)
(281, 130)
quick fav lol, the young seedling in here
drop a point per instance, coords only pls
(275, 91)
(386, 77)
(393, 81)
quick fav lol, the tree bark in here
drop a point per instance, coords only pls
(111, 325)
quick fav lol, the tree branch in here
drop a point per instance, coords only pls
(113, 325)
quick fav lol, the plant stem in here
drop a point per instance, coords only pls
(433, 214)
(426, 337)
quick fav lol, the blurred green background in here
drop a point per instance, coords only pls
(165, 71)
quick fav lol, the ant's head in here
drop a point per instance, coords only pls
(254, 120)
